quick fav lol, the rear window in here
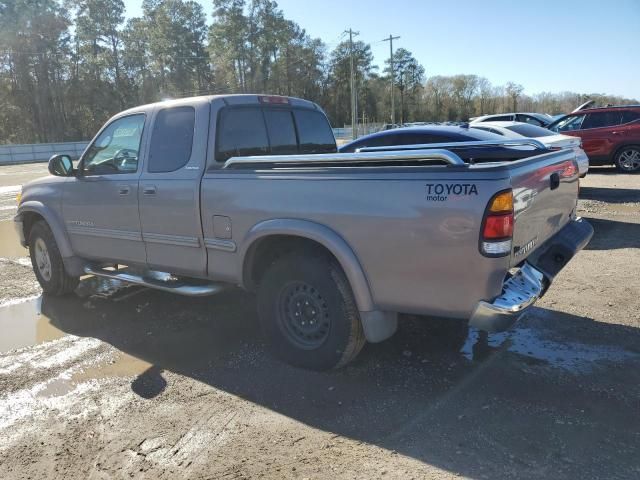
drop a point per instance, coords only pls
(374, 141)
(314, 132)
(408, 138)
(245, 131)
(530, 131)
(282, 133)
(241, 132)
(476, 134)
(487, 129)
(171, 139)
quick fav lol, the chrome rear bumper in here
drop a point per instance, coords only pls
(519, 292)
(523, 289)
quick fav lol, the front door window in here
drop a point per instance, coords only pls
(116, 148)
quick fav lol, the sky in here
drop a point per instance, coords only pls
(585, 46)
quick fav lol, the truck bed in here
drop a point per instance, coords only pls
(414, 226)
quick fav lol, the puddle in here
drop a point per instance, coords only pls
(22, 324)
(572, 356)
(124, 365)
(56, 388)
(9, 244)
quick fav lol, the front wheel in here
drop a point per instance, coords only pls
(627, 160)
(308, 313)
(47, 261)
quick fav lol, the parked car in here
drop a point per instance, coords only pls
(547, 137)
(435, 134)
(539, 119)
(610, 135)
(198, 194)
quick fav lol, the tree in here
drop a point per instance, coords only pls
(408, 75)
(514, 90)
(339, 75)
(35, 43)
(65, 68)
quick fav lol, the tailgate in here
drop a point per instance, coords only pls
(545, 192)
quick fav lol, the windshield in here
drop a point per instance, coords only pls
(531, 131)
(568, 123)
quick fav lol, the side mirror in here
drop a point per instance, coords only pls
(61, 166)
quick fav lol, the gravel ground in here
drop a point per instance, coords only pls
(119, 381)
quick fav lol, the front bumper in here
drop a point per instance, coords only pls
(530, 283)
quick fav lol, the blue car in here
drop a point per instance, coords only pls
(442, 134)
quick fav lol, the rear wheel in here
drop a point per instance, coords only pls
(627, 159)
(308, 313)
(47, 261)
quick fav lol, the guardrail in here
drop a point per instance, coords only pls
(39, 152)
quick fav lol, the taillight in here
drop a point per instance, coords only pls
(497, 225)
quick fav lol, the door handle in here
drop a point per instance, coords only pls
(149, 190)
(616, 133)
(124, 189)
(554, 181)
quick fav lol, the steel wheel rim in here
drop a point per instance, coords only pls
(43, 261)
(630, 159)
(304, 315)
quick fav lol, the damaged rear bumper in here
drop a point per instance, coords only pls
(530, 282)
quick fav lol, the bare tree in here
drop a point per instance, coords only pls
(514, 90)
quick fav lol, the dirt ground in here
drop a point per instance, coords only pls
(124, 382)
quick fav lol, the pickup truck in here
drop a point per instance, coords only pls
(195, 195)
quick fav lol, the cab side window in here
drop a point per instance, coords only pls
(630, 116)
(116, 149)
(172, 139)
(501, 118)
(601, 120)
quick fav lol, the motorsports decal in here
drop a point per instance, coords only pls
(440, 192)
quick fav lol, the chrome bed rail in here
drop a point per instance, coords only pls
(426, 155)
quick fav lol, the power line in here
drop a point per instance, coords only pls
(393, 110)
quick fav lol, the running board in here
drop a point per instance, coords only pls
(180, 287)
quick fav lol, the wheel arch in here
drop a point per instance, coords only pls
(266, 239)
(32, 211)
(619, 148)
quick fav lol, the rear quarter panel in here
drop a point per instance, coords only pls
(414, 232)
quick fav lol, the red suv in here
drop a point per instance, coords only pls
(610, 135)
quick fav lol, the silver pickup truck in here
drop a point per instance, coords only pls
(195, 195)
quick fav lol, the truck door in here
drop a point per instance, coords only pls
(100, 204)
(170, 190)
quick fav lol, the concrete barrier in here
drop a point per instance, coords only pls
(39, 152)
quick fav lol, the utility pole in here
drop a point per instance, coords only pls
(354, 105)
(390, 40)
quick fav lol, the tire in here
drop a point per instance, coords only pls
(307, 312)
(627, 159)
(47, 262)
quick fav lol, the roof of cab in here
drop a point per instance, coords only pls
(231, 99)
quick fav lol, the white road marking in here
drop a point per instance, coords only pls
(8, 190)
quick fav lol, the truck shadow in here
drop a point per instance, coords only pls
(516, 413)
(613, 234)
(610, 195)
